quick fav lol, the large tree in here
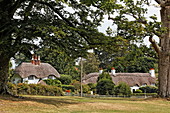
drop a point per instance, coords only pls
(29, 24)
(131, 23)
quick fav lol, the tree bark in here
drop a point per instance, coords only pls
(164, 55)
(4, 69)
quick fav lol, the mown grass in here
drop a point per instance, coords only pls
(68, 104)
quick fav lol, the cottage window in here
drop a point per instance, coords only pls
(31, 77)
(145, 84)
(50, 76)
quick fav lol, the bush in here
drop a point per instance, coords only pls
(12, 88)
(145, 94)
(92, 87)
(86, 88)
(22, 88)
(122, 89)
(68, 87)
(104, 75)
(76, 84)
(34, 89)
(105, 87)
(149, 89)
(65, 79)
(138, 91)
(54, 82)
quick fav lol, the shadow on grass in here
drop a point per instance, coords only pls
(45, 100)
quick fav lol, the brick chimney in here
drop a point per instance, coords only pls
(35, 60)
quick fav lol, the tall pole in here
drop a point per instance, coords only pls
(81, 76)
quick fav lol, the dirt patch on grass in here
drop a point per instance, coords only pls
(98, 106)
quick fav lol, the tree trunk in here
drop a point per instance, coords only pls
(4, 69)
(164, 56)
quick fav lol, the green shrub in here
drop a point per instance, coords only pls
(149, 89)
(76, 84)
(65, 79)
(104, 75)
(86, 88)
(105, 87)
(92, 87)
(138, 91)
(54, 82)
(23, 88)
(34, 89)
(122, 89)
(12, 88)
(144, 94)
(68, 87)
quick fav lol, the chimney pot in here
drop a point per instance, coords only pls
(152, 72)
(113, 71)
(39, 60)
(100, 70)
(32, 60)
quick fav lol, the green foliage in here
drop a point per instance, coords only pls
(28, 26)
(12, 88)
(104, 75)
(68, 87)
(122, 89)
(149, 89)
(91, 64)
(145, 94)
(52, 82)
(86, 88)
(76, 84)
(65, 79)
(92, 86)
(105, 87)
(138, 91)
(132, 59)
(34, 89)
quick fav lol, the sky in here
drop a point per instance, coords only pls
(153, 9)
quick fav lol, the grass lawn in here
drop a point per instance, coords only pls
(68, 104)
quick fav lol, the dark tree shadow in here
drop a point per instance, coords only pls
(49, 100)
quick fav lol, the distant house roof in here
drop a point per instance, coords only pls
(40, 71)
(132, 79)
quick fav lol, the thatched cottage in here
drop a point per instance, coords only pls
(134, 80)
(34, 72)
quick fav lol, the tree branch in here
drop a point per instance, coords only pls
(155, 45)
(162, 3)
(56, 10)
(16, 5)
(158, 1)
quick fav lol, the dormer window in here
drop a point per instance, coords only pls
(31, 77)
(51, 77)
(145, 84)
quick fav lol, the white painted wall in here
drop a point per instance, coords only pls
(34, 81)
(134, 88)
(17, 79)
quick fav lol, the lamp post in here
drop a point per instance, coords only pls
(81, 90)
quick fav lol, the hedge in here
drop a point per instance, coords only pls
(68, 87)
(143, 94)
(34, 89)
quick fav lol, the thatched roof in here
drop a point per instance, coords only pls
(132, 79)
(40, 71)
